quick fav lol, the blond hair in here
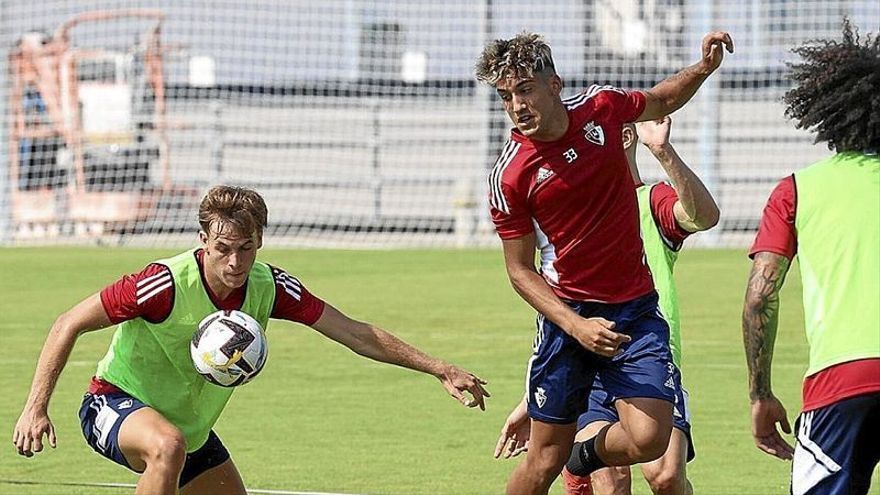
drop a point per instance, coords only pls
(241, 209)
(520, 57)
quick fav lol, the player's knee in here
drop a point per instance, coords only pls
(547, 465)
(166, 450)
(650, 445)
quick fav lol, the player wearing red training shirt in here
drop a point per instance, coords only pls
(127, 424)
(667, 219)
(562, 185)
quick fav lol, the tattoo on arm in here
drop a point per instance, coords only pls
(673, 92)
(760, 319)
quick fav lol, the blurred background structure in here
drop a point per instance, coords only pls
(359, 121)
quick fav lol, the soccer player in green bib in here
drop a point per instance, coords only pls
(828, 214)
(669, 213)
(147, 408)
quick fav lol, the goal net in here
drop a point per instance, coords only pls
(359, 121)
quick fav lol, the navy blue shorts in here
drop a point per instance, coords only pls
(101, 415)
(560, 373)
(838, 447)
(601, 408)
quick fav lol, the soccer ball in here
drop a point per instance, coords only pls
(229, 348)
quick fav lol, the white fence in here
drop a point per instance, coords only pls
(359, 121)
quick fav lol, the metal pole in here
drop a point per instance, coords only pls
(708, 100)
(484, 101)
(217, 135)
(5, 205)
(376, 146)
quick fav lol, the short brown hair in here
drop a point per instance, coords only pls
(520, 57)
(240, 208)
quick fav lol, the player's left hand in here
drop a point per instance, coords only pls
(456, 381)
(515, 434)
(654, 133)
(712, 51)
(765, 414)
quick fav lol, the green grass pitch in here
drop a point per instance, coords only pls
(320, 418)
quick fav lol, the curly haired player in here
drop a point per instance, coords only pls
(828, 214)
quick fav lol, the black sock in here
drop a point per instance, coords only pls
(584, 460)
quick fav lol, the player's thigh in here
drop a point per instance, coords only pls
(558, 376)
(642, 380)
(671, 466)
(219, 480)
(145, 434)
(646, 420)
(550, 445)
(600, 412)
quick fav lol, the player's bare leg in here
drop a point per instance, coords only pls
(642, 434)
(668, 474)
(220, 480)
(154, 446)
(549, 448)
(614, 480)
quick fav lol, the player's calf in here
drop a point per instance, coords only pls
(667, 483)
(614, 480)
(668, 474)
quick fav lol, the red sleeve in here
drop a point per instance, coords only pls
(663, 199)
(622, 105)
(293, 302)
(148, 294)
(777, 233)
(509, 214)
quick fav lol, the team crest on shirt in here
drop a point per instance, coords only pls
(594, 133)
(540, 397)
(543, 174)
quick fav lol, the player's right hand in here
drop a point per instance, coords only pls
(766, 413)
(456, 381)
(29, 431)
(597, 335)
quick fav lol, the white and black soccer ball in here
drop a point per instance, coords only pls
(229, 348)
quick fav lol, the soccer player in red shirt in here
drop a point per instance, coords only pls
(672, 212)
(562, 185)
(130, 424)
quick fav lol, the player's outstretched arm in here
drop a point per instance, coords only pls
(34, 421)
(759, 323)
(595, 334)
(673, 92)
(695, 209)
(373, 342)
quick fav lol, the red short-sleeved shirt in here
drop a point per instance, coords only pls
(777, 233)
(663, 199)
(576, 195)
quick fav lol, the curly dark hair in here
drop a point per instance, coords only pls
(838, 90)
(521, 56)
